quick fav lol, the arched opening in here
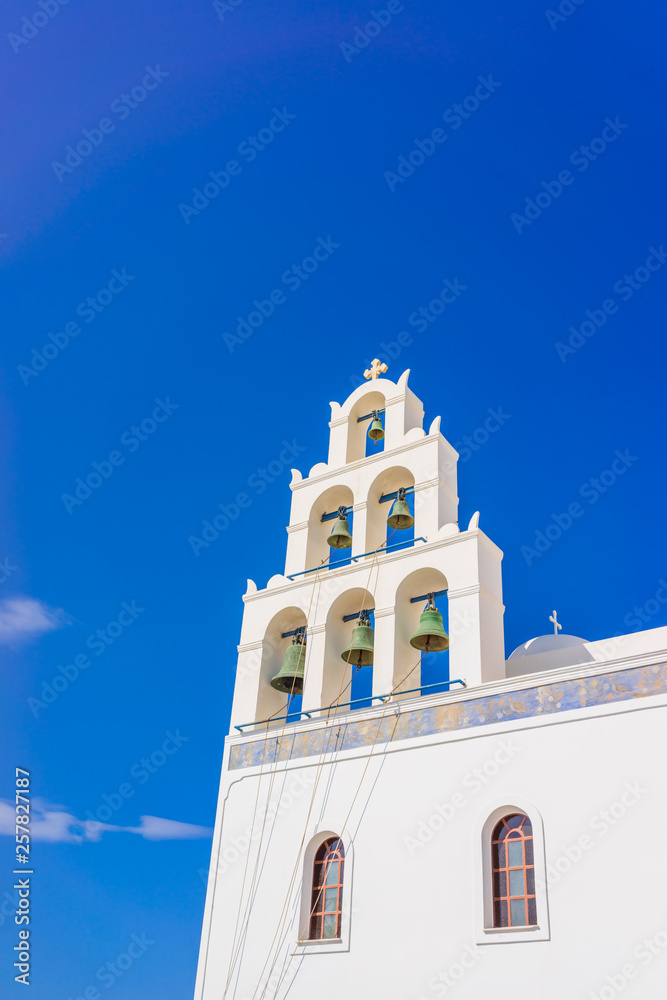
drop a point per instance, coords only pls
(344, 679)
(318, 551)
(358, 443)
(275, 645)
(414, 668)
(513, 870)
(378, 532)
(326, 903)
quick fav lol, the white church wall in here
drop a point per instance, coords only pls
(594, 776)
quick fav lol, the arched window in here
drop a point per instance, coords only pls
(513, 872)
(326, 908)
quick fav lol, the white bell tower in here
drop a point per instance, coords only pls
(464, 563)
(258, 894)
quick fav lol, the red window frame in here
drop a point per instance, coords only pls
(326, 907)
(514, 903)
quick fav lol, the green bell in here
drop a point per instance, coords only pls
(430, 637)
(360, 651)
(340, 537)
(289, 678)
(376, 430)
(400, 516)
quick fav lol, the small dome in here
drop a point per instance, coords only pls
(546, 644)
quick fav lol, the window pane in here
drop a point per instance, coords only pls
(515, 853)
(329, 926)
(500, 884)
(331, 900)
(315, 928)
(532, 912)
(530, 877)
(316, 901)
(517, 883)
(498, 855)
(518, 912)
(332, 873)
(514, 822)
(500, 914)
(529, 852)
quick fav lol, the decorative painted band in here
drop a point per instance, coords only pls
(546, 699)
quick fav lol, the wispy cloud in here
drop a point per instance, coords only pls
(23, 618)
(54, 824)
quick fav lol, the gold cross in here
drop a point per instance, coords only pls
(554, 618)
(376, 369)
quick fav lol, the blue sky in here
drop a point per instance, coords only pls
(541, 200)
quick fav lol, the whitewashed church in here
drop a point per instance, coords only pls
(404, 813)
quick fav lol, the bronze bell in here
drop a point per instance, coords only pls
(340, 537)
(430, 637)
(400, 516)
(360, 651)
(376, 430)
(289, 678)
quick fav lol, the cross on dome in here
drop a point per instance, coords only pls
(554, 618)
(376, 369)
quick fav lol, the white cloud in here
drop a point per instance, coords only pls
(154, 828)
(54, 824)
(25, 617)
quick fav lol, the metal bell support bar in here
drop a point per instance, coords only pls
(368, 416)
(360, 651)
(340, 537)
(430, 636)
(289, 679)
(400, 516)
